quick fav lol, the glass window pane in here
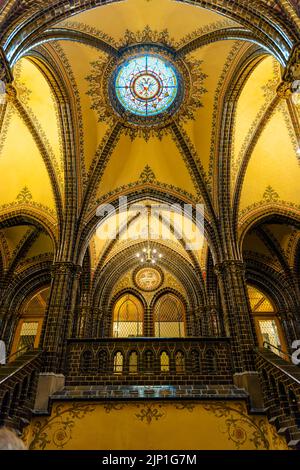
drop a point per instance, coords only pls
(27, 335)
(164, 362)
(128, 317)
(269, 332)
(169, 317)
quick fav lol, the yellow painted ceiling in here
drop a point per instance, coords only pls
(131, 157)
(217, 60)
(14, 239)
(14, 235)
(272, 163)
(257, 94)
(253, 244)
(22, 165)
(43, 244)
(78, 59)
(159, 232)
(179, 19)
(36, 95)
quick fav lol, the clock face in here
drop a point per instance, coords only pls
(148, 279)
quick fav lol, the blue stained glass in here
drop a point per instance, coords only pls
(146, 85)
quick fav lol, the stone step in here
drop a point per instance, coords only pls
(294, 444)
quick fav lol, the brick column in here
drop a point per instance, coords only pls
(60, 315)
(85, 318)
(5, 327)
(203, 321)
(239, 325)
(237, 313)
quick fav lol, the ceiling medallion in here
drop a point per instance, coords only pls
(146, 86)
(148, 279)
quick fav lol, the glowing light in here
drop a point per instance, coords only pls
(146, 85)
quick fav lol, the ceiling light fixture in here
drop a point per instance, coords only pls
(149, 255)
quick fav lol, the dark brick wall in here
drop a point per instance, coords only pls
(204, 361)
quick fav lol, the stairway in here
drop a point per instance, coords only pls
(281, 388)
(11, 368)
(18, 382)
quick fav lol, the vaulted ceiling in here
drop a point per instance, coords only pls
(241, 144)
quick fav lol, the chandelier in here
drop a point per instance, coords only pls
(148, 254)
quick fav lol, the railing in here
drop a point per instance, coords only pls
(271, 346)
(22, 350)
(18, 383)
(281, 392)
(149, 361)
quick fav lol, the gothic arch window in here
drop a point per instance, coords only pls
(86, 361)
(210, 361)
(128, 316)
(32, 315)
(149, 361)
(118, 363)
(179, 362)
(195, 362)
(133, 362)
(268, 328)
(169, 317)
(164, 362)
(102, 361)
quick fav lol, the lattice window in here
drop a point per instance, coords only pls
(164, 362)
(128, 317)
(133, 363)
(118, 363)
(169, 317)
(179, 362)
(270, 334)
(27, 335)
(267, 323)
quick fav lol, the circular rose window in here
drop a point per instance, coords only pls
(146, 85)
(148, 279)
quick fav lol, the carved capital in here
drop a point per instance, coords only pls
(284, 90)
(64, 268)
(292, 71)
(236, 266)
(291, 76)
(11, 92)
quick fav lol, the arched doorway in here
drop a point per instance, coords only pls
(267, 324)
(29, 327)
(128, 317)
(169, 317)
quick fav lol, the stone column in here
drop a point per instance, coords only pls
(58, 326)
